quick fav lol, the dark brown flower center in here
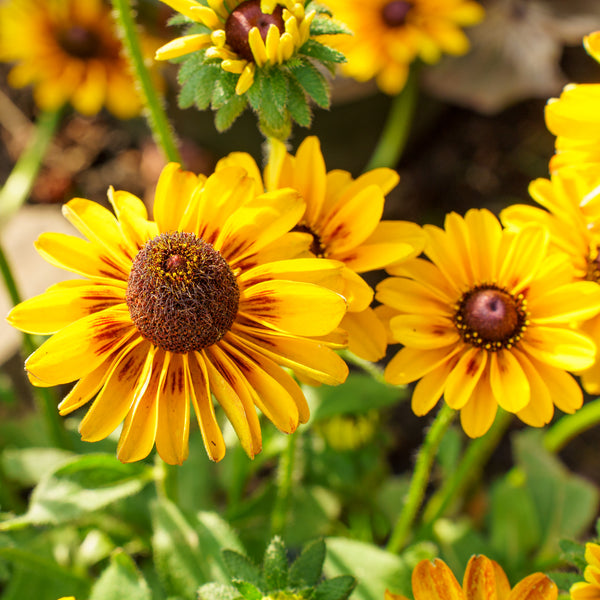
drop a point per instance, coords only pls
(394, 13)
(182, 295)
(246, 16)
(79, 42)
(491, 318)
(317, 247)
(593, 267)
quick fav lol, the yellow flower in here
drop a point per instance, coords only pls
(343, 216)
(243, 35)
(488, 323)
(590, 588)
(572, 216)
(484, 580)
(68, 50)
(575, 119)
(207, 298)
(389, 35)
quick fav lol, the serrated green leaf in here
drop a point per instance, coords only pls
(298, 103)
(187, 93)
(338, 588)
(228, 113)
(248, 591)
(323, 25)
(223, 89)
(307, 568)
(240, 567)
(121, 580)
(83, 485)
(204, 85)
(191, 64)
(218, 591)
(323, 53)
(313, 82)
(564, 581)
(275, 565)
(574, 553)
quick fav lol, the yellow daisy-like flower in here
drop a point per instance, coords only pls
(243, 35)
(343, 216)
(207, 298)
(390, 34)
(68, 50)
(575, 119)
(484, 579)
(590, 588)
(488, 323)
(572, 216)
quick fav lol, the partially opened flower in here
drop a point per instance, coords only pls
(256, 51)
(590, 588)
(343, 216)
(388, 35)
(572, 217)
(575, 119)
(69, 51)
(488, 323)
(484, 579)
(206, 299)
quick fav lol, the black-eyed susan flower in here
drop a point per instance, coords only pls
(571, 199)
(590, 588)
(484, 579)
(388, 35)
(487, 322)
(207, 298)
(69, 51)
(343, 216)
(256, 52)
(575, 120)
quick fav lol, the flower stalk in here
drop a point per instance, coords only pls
(570, 426)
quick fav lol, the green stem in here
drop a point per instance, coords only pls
(17, 187)
(157, 118)
(570, 426)
(366, 366)
(420, 478)
(469, 469)
(44, 397)
(166, 480)
(395, 132)
(284, 486)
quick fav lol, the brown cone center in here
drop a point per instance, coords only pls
(79, 42)
(181, 294)
(246, 16)
(394, 13)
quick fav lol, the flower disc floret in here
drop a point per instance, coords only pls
(181, 294)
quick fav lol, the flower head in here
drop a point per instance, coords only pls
(571, 199)
(343, 218)
(484, 580)
(390, 34)
(488, 323)
(69, 51)
(256, 51)
(206, 299)
(590, 588)
(575, 120)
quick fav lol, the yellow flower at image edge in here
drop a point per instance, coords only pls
(484, 579)
(590, 588)
(388, 35)
(343, 217)
(68, 50)
(489, 322)
(207, 298)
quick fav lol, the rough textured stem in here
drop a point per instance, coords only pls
(570, 426)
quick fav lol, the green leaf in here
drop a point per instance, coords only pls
(313, 82)
(218, 591)
(204, 85)
(248, 591)
(121, 580)
(338, 588)
(275, 565)
(298, 103)
(564, 581)
(223, 89)
(28, 466)
(322, 25)
(229, 112)
(240, 567)
(307, 568)
(321, 52)
(81, 486)
(574, 553)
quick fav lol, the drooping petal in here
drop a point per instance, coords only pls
(560, 348)
(426, 332)
(410, 364)
(430, 388)
(565, 392)
(576, 301)
(540, 409)
(465, 377)
(309, 178)
(509, 382)
(367, 337)
(404, 294)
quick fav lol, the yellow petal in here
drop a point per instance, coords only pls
(183, 45)
(272, 44)
(86, 388)
(309, 178)
(564, 390)
(465, 377)
(560, 348)
(185, 7)
(478, 414)
(430, 388)
(405, 295)
(577, 301)
(425, 332)
(479, 582)
(246, 79)
(257, 46)
(509, 382)
(410, 364)
(540, 409)
(367, 337)
(535, 587)
(435, 581)
(133, 218)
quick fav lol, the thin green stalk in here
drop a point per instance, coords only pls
(570, 426)
(395, 132)
(166, 480)
(366, 366)
(17, 187)
(157, 118)
(469, 469)
(44, 397)
(284, 486)
(420, 478)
